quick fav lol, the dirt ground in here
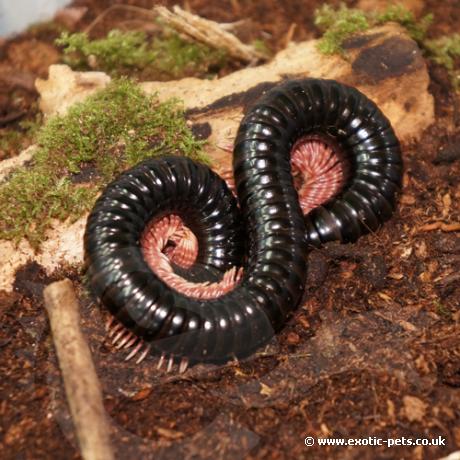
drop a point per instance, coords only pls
(373, 351)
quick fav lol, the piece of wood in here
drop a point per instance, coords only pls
(208, 32)
(81, 383)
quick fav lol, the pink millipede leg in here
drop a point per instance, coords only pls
(135, 350)
(115, 329)
(161, 361)
(183, 365)
(170, 364)
(125, 340)
(143, 354)
(315, 161)
(133, 340)
(119, 336)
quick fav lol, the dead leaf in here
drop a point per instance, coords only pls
(414, 408)
(409, 327)
(169, 434)
(265, 389)
(142, 394)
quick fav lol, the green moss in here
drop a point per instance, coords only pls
(176, 57)
(119, 50)
(166, 56)
(338, 25)
(445, 51)
(398, 13)
(102, 136)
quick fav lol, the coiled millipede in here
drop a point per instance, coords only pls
(237, 269)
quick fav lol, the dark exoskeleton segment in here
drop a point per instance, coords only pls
(267, 234)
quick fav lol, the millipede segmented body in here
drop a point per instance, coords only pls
(265, 232)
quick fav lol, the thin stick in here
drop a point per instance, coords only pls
(209, 32)
(82, 386)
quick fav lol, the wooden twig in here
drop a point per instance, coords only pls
(208, 32)
(82, 386)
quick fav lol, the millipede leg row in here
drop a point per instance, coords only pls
(265, 233)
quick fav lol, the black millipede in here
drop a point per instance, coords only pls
(265, 231)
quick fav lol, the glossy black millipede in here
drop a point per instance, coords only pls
(268, 234)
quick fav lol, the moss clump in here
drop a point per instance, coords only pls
(120, 53)
(397, 13)
(445, 51)
(339, 24)
(176, 57)
(83, 150)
